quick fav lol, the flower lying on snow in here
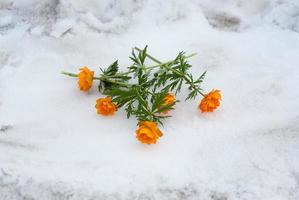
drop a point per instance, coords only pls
(210, 101)
(168, 100)
(148, 132)
(105, 106)
(147, 91)
(85, 79)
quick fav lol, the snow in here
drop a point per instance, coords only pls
(53, 145)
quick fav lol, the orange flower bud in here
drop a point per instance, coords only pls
(105, 106)
(85, 79)
(169, 99)
(210, 101)
(148, 132)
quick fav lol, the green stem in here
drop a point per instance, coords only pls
(149, 56)
(160, 62)
(102, 78)
(70, 74)
(155, 60)
(165, 65)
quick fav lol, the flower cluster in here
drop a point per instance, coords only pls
(146, 92)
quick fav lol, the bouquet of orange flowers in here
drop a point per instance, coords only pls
(146, 92)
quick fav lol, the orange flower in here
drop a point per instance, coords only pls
(169, 99)
(210, 101)
(85, 78)
(105, 106)
(148, 132)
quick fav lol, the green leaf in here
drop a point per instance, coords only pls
(112, 69)
(142, 55)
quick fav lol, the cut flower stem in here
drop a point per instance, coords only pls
(102, 78)
(159, 64)
(165, 65)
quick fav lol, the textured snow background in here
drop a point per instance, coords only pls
(53, 145)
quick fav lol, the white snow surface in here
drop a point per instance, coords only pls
(53, 145)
